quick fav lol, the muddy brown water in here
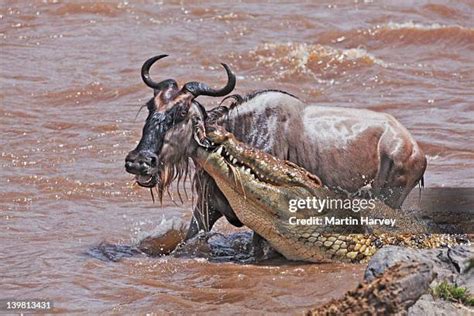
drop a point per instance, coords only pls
(70, 90)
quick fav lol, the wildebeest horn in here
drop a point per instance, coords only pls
(199, 88)
(146, 75)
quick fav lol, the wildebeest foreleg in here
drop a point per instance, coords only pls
(203, 219)
(211, 206)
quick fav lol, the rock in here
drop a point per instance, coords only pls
(392, 292)
(217, 247)
(448, 264)
(106, 251)
(163, 244)
(427, 305)
(164, 239)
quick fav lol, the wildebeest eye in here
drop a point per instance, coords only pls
(183, 113)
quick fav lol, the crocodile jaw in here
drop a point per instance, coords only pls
(258, 204)
(263, 205)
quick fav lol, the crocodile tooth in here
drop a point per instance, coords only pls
(231, 157)
(219, 150)
(221, 161)
(234, 160)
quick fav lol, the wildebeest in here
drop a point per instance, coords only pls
(348, 149)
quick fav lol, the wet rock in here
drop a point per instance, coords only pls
(217, 247)
(392, 292)
(427, 305)
(112, 252)
(448, 264)
(262, 250)
(163, 244)
(164, 239)
(198, 246)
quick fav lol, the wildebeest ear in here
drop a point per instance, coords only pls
(202, 110)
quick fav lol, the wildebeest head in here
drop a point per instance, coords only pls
(167, 137)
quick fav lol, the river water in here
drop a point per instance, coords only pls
(70, 91)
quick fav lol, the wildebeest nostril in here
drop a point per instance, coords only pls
(131, 157)
(131, 167)
(140, 162)
(147, 158)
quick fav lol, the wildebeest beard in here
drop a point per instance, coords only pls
(177, 170)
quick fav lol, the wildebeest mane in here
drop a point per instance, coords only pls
(221, 112)
(253, 94)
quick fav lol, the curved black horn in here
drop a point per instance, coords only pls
(199, 88)
(146, 75)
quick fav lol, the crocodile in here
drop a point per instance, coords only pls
(260, 188)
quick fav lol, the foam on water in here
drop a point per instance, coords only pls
(165, 226)
(314, 61)
(421, 26)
